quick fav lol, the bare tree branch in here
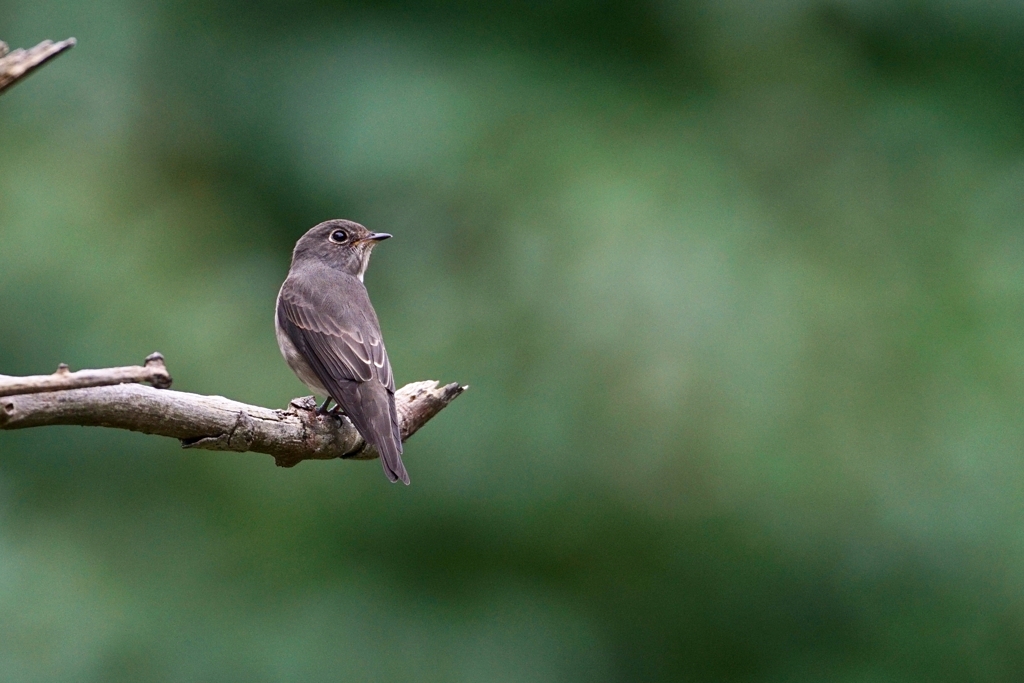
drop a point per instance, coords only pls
(153, 372)
(20, 63)
(213, 422)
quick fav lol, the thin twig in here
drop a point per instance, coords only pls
(20, 63)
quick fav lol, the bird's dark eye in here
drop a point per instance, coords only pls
(339, 236)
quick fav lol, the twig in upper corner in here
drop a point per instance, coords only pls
(20, 63)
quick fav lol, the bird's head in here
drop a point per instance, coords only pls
(340, 244)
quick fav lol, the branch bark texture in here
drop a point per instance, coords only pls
(20, 63)
(215, 423)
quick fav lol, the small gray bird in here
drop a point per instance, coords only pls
(329, 334)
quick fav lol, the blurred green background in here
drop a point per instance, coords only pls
(738, 288)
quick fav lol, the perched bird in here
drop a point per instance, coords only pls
(328, 333)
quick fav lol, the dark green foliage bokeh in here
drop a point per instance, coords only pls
(738, 288)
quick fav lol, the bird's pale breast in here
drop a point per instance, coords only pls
(296, 362)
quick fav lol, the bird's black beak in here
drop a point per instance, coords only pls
(378, 237)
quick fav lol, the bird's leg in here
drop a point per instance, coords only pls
(322, 410)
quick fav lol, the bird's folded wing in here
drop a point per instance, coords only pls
(345, 354)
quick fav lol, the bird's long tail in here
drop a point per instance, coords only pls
(391, 459)
(377, 420)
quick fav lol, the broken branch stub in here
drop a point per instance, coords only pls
(153, 372)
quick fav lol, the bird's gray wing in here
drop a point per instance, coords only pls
(346, 352)
(352, 348)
